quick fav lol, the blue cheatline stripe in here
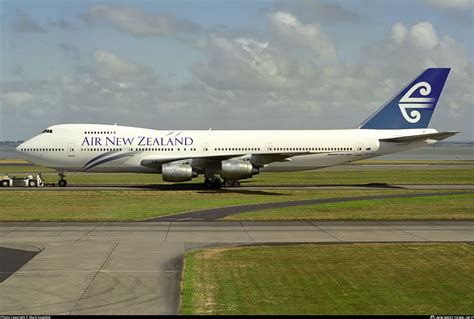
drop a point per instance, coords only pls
(99, 156)
(111, 159)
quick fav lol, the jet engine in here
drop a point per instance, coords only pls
(233, 169)
(180, 171)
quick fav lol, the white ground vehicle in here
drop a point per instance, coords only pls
(28, 181)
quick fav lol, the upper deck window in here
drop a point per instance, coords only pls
(47, 131)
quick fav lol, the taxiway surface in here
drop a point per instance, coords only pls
(135, 267)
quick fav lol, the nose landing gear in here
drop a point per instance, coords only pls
(62, 182)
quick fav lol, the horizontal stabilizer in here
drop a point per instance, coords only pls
(420, 137)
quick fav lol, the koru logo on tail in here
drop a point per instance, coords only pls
(409, 102)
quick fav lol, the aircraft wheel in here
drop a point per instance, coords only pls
(62, 183)
(32, 183)
(228, 183)
(5, 183)
(208, 183)
(236, 183)
(217, 184)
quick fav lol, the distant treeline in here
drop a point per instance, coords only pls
(10, 143)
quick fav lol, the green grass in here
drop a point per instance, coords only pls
(449, 207)
(359, 176)
(13, 161)
(315, 177)
(393, 279)
(64, 205)
(339, 175)
(12, 169)
(137, 205)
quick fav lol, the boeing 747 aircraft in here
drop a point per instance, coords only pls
(399, 125)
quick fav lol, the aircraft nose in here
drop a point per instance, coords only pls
(20, 147)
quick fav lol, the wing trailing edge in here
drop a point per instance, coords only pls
(419, 137)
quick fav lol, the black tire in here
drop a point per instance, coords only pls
(5, 183)
(62, 183)
(32, 183)
(208, 183)
(228, 183)
(236, 183)
(217, 184)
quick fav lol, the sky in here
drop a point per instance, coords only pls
(228, 64)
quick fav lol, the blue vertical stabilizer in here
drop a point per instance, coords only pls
(413, 106)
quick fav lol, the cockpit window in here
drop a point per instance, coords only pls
(47, 131)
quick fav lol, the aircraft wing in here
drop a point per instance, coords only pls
(256, 159)
(419, 138)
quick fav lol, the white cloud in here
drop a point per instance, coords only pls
(251, 80)
(113, 67)
(17, 98)
(138, 22)
(420, 45)
(399, 33)
(424, 35)
(290, 29)
(421, 35)
(241, 63)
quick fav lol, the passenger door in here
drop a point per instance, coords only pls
(358, 149)
(71, 151)
(268, 147)
(205, 149)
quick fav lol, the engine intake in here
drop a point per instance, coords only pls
(177, 172)
(232, 169)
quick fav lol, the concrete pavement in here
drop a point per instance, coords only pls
(135, 267)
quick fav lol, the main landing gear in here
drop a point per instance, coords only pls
(212, 182)
(231, 183)
(62, 182)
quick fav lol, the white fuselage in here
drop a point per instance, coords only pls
(80, 147)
